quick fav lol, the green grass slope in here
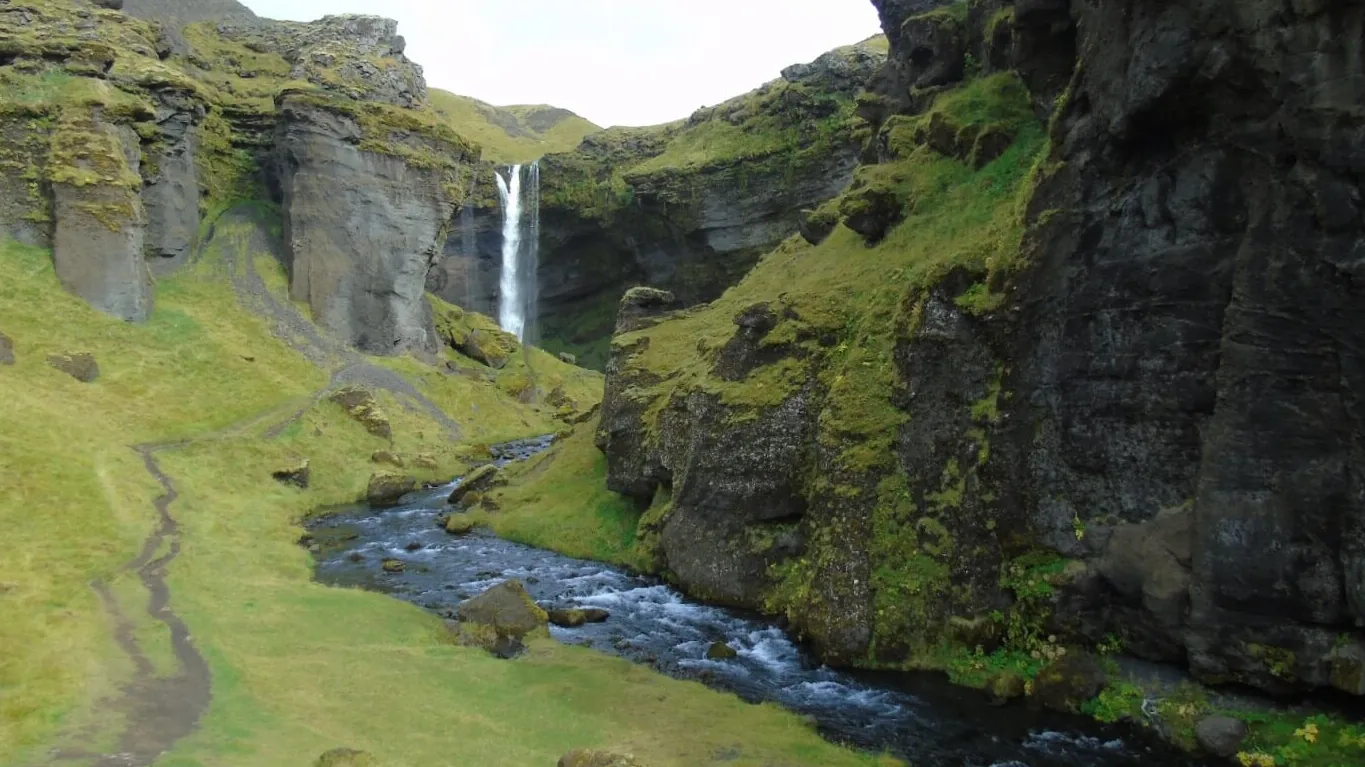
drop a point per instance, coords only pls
(511, 135)
(297, 668)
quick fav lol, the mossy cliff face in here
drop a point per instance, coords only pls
(689, 206)
(121, 133)
(1096, 374)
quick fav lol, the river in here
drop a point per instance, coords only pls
(917, 716)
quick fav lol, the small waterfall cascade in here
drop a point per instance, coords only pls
(520, 195)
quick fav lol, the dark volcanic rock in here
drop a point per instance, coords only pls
(297, 475)
(1221, 735)
(641, 305)
(1161, 418)
(1066, 684)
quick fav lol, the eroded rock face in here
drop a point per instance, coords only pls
(99, 219)
(1165, 404)
(363, 229)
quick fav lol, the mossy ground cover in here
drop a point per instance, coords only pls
(298, 668)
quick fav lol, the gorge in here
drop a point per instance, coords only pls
(1019, 347)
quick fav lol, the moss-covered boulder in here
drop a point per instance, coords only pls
(1067, 683)
(475, 336)
(1006, 686)
(816, 225)
(871, 211)
(1221, 736)
(478, 481)
(500, 620)
(459, 524)
(721, 651)
(387, 489)
(6, 350)
(388, 458)
(346, 757)
(81, 366)
(394, 566)
(592, 758)
(361, 405)
(641, 305)
(297, 474)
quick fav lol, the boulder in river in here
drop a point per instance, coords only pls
(394, 566)
(721, 651)
(569, 618)
(79, 365)
(387, 489)
(582, 757)
(1221, 735)
(499, 619)
(346, 757)
(477, 481)
(1067, 683)
(459, 524)
(6, 350)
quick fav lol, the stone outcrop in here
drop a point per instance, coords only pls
(81, 366)
(387, 489)
(363, 227)
(1147, 425)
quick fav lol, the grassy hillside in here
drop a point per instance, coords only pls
(510, 135)
(297, 668)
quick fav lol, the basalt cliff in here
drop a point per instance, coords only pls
(1077, 357)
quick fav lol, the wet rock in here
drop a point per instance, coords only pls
(386, 457)
(567, 359)
(591, 758)
(394, 566)
(6, 350)
(361, 405)
(478, 481)
(1006, 686)
(346, 757)
(507, 609)
(1347, 663)
(569, 618)
(297, 475)
(595, 614)
(414, 546)
(79, 365)
(355, 556)
(459, 524)
(1067, 683)
(1221, 735)
(721, 651)
(387, 489)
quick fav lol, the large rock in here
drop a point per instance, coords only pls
(6, 350)
(298, 474)
(99, 217)
(476, 336)
(387, 489)
(1221, 735)
(363, 222)
(479, 480)
(81, 366)
(500, 619)
(171, 194)
(1067, 683)
(361, 405)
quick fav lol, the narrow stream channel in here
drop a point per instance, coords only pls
(919, 717)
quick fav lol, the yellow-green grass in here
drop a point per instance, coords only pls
(484, 124)
(300, 668)
(559, 500)
(76, 501)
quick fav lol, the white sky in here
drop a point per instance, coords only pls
(616, 62)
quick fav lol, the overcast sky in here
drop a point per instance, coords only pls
(616, 62)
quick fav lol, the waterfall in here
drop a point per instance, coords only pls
(520, 249)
